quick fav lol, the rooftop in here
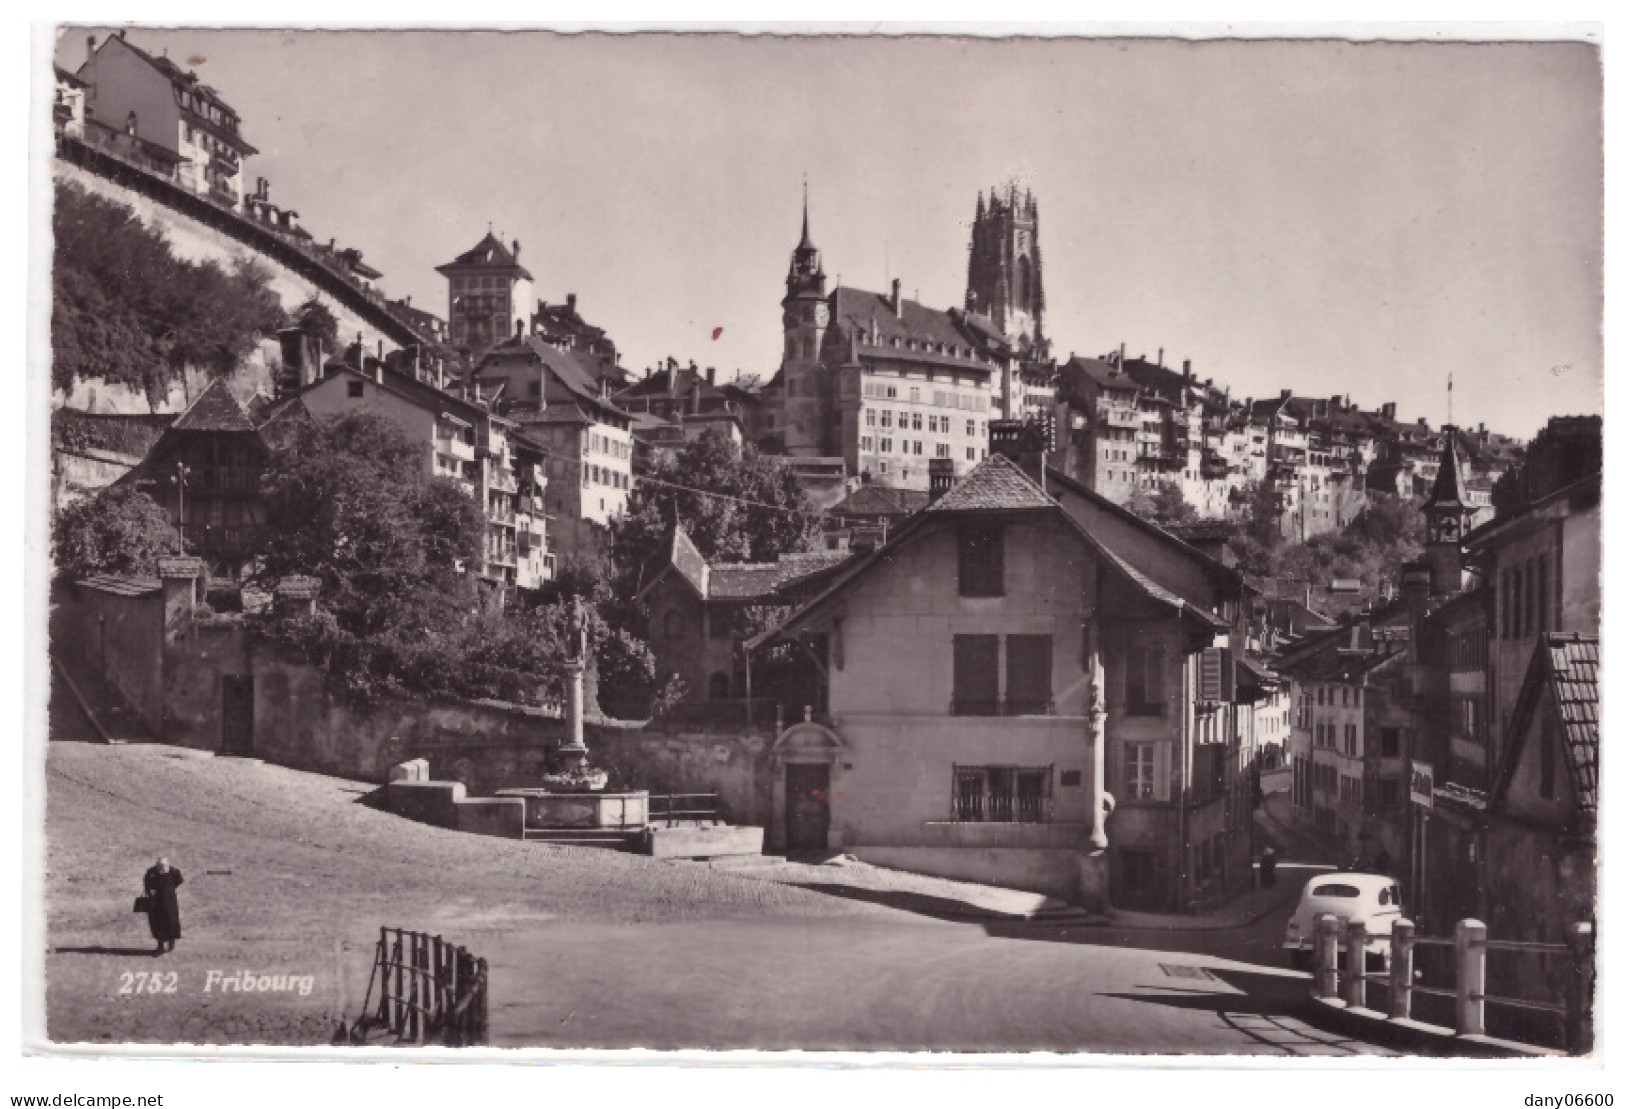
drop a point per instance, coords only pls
(995, 484)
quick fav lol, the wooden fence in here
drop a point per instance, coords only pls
(429, 991)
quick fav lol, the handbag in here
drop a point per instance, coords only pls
(143, 904)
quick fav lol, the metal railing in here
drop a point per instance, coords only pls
(1469, 947)
(675, 807)
(429, 991)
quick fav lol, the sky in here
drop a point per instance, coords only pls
(1373, 220)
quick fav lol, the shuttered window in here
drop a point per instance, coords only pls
(976, 675)
(1027, 675)
(981, 562)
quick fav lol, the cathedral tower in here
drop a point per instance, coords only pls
(1006, 281)
(806, 316)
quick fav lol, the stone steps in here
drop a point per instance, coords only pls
(584, 837)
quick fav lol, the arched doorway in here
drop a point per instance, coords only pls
(801, 795)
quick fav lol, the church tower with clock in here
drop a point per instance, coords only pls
(1447, 515)
(806, 318)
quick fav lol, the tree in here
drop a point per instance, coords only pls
(127, 309)
(736, 504)
(120, 531)
(351, 504)
(1166, 506)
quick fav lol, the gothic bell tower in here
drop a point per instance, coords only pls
(1006, 281)
(806, 317)
(1447, 515)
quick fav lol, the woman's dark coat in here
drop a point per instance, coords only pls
(164, 912)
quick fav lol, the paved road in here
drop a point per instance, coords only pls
(907, 982)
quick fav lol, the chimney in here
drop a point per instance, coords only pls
(1122, 354)
(710, 375)
(1286, 394)
(897, 297)
(516, 250)
(941, 474)
(1188, 372)
(1388, 410)
(1422, 422)
(90, 45)
(408, 300)
(570, 303)
(1159, 356)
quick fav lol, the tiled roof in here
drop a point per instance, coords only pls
(738, 581)
(686, 559)
(880, 500)
(1201, 529)
(567, 367)
(489, 251)
(1573, 677)
(214, 410)
(861, 311)
(1101, 372)
(996, 483)
(122, 587)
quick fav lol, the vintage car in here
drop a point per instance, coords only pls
(1370, 899)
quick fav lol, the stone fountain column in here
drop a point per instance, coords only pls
(1094, 880)
(572, 754)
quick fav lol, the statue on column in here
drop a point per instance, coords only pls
(575, 633)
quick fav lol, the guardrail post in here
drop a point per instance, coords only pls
(1401, 969)
(1357, 939)
(1471, 955)
(1581, 982)
(1326, 956)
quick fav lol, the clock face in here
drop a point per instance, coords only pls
(820, 315)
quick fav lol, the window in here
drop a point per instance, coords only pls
(1350, 733)
(919, 444)
(970, 427)
(917, 422)
(942, 450)
(981, 562)
(1389, 746)
(1387, 794)
(976, 675)
(1027, 675)
(869, 417)
(357, 389)
(885, 447)
(885, 417)
(970, 454)
(1144, 680)
(1006, 794)
(1139, 782)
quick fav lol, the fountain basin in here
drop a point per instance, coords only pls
(627, 810)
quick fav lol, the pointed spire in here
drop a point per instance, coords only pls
(806, 237)
(1447, 487)
(981, 212)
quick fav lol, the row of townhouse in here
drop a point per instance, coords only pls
(1449, 738)
(1023, 684)
(1133, 425)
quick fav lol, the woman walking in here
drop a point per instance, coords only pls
(163, 907)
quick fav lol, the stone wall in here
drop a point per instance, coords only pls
(737, 766)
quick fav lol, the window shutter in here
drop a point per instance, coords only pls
(1160, 770)
(1211, 684)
